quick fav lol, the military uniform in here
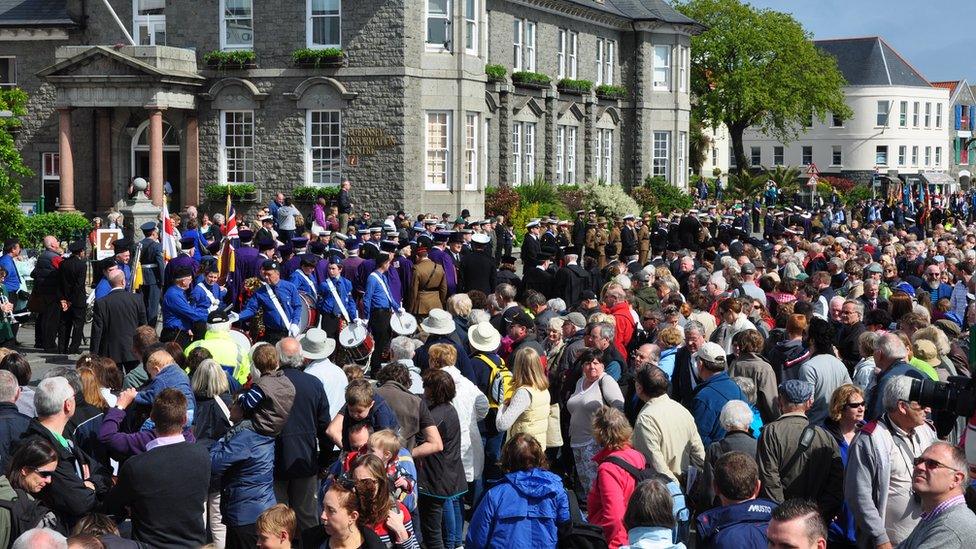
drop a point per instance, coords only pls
(644, 241)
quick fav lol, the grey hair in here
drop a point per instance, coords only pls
(401, 348)
(607, 330)
(209, 379)
(558, 305)
(68, 373)
(506, 291)
(556, 323)
(895, 391)
(872, 282)
(748, 387)
(891, 347)
(866, 343)
(736, 415)
(694, 326)
(478, 316)
(858, 306)
(286, 360)
(921, 310)
(719, 281)
(8, 386)
(50, 396)
(40, 538)
(459, 305)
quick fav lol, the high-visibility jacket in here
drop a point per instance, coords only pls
(234, 360)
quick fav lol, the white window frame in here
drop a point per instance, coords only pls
(310, 149)
(472, 142)
(607, 142)
(446, 152)
(915, 109)
(561, 54)
(248, 156)
(884, 113)
(928, 115)
(878, 152)
(836, 155)
(310, 27)
(732, 163)
(714, 156)
(518, 29)
(664, 69)
(12, 69)
(224, 45)
(472, 10)
(571, 139)
(682, 69)
(914, 155)
(682, 155)
(516, 153)
(560, 152)
(938, 116)
(938, 156)
(928, 155)
(806, 159)
(531, 35)
(150, 22)
(573, 57)
(902, 154)
(448, 33)
(485, 134)
(528, 151)
(835, 122)
(779, 155)
(609, 60)
(55, 173)
(599, 62)
(661, 155)
(755, 156)
(903, 114)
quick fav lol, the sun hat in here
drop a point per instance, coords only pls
(484, 337)
(316, 344)
(438, 322)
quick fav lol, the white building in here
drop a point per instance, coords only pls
(898, 131)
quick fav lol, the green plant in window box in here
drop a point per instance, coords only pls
(577, 87)
(239, 191)
(496, 73)
(311, 194)
(237, 59)
(528, 79)
(328, 57)
(607, 91)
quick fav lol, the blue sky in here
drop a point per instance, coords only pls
(935, 37)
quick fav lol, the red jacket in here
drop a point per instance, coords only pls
(607, 500)
(625, 325)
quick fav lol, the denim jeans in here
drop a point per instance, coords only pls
(453, 523)
(431, 521)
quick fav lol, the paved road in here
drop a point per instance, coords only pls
(40, 361)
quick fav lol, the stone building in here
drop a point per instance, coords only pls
(962, 104)
(407, 113)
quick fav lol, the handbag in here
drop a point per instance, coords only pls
(554, 434)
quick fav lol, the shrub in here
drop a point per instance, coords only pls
(579, 86)
(502, 200)
(611, 92)
(609, 200)
(66, 227)
(527, 212)
(841, 184)
(535, 78)
(645, 199)
(230, 58)
(666, 196)
(309, 56)
(856, 195)
(496, 72)
(313, 193)
(13, 221)
(571, 196)
(219, 192)
(538, 191)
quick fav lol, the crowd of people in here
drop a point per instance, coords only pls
(733, 376)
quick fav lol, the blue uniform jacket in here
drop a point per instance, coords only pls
(178, 262)
(242, 467)
(298, 278)
(12, 282)
(376, 297)
(102, 288)
(200, 299)
(327, 303)
(178, 312)
(287, 296)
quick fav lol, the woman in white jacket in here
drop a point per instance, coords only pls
(471, 406)
(733, 322)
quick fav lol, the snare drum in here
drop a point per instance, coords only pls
(309, 315)
(241, 340)
(356, 341)
(404, 323)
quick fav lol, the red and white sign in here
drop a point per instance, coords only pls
(812, 169)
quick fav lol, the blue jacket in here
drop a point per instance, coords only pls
(242, 467)
(178, 312)
(172, 377)
(12, 425)
(741, 525)
(523, 510)
(12, 282)
(327, 302)
(709, 398)
(287, 295)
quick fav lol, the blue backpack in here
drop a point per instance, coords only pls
(682, 516)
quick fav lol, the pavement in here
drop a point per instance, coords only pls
(41, 362)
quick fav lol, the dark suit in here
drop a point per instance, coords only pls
(628, 242)
(531, 248)
(570, 281)
(153, 267)
(868, 306)
(539, 280)
(478, 272)
(847, 346)
(73, 272)
(117, 316)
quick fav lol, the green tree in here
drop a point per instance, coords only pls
(699, 144)
(758, 68)
(785, 177)
(745, 186)
(12, 167)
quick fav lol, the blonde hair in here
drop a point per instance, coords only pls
(277, 519)
(459, 305)
(209, 379)
(670, 337)
(840, 397)
(611, 428)
(527, 370)
(441, 355)
(387, 441)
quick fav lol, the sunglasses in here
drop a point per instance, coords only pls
(931, 464)
(44, 474)
(853, 405)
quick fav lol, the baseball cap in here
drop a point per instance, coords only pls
(576, 319)
(796, 391)
(711, 352)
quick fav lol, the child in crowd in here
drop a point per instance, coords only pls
(400, 467)
(363, 405)
(276, 528)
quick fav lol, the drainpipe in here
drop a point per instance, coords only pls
(118, 22)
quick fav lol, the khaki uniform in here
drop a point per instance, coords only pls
(602, 239)
(643, 243)
(429, 287)
(614, 241)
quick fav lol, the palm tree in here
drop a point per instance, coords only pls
(745, 186)
(785, 177)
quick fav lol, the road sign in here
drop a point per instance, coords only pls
(812, 169)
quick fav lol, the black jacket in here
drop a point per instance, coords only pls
(539, 280)
(569, 282)
(12, 427)
(210, 423)
(477, 271)
(345, 204)
(165, 489)
(683, 379)
(508, 277)
(295, 448)
(117, 315)
(531, 248)
(628, 241)
(67, 494)
(72, 281)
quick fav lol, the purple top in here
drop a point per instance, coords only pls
(129, 444)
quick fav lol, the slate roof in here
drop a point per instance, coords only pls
(641, 10)
(34, 13)
(870, 61)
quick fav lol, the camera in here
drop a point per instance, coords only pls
(956, 395)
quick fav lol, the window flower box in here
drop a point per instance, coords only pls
(574, 87)
(313, 58)
(531, 80)
(240, 59)
(607, 91)
(243, 192)
(496, 73)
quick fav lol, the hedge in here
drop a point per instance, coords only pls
(67, 227)
(312, 193)
(237, 191)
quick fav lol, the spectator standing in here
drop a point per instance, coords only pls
(823, 370)
(594, 390)
(715, 390)
(13, 424)
(665, 431)
(846, 418)
(939, 478)
(742, 517)
(615, 480)
(797, 524)
(441, 474)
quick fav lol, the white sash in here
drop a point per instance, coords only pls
(386, 290)
(277, 305)
(315, 293)
(335, 294)
(214, 302)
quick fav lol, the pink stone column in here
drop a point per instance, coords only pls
(67, 201)
(156, 156)
(191, 194)
(104, 146)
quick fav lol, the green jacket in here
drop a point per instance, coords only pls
(6, 494)
(646, 299)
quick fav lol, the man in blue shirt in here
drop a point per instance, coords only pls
(103, 287)
(11, 251)
(304, 277)
(280, 301)
(378, 307)
(179, 314)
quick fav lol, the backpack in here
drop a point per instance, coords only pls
(500, 386)
(25, 513)
(682, 516)
(577, 533)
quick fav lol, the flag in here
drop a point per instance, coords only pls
(137, 280)
(230, 223)
(167, 235)
(226, 262)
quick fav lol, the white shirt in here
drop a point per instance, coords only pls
(333, 379)
(471, 406)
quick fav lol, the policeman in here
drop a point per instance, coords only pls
(153, 264)
(280, 301)
(179, 314)
(232, 358)
(335, 298)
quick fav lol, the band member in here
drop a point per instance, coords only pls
(378, 307)
(335, 298)
(280, 301)
(304, 278)
(153, 266)
(179, 314)
(183, 261)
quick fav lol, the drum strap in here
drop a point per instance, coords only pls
(277, 305)
(214, 302)
(335, 294)
(379, 278)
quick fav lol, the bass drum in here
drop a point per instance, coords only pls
(404, 324)
(356, 343)
(309, 316)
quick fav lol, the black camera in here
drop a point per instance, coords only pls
(956, 395)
